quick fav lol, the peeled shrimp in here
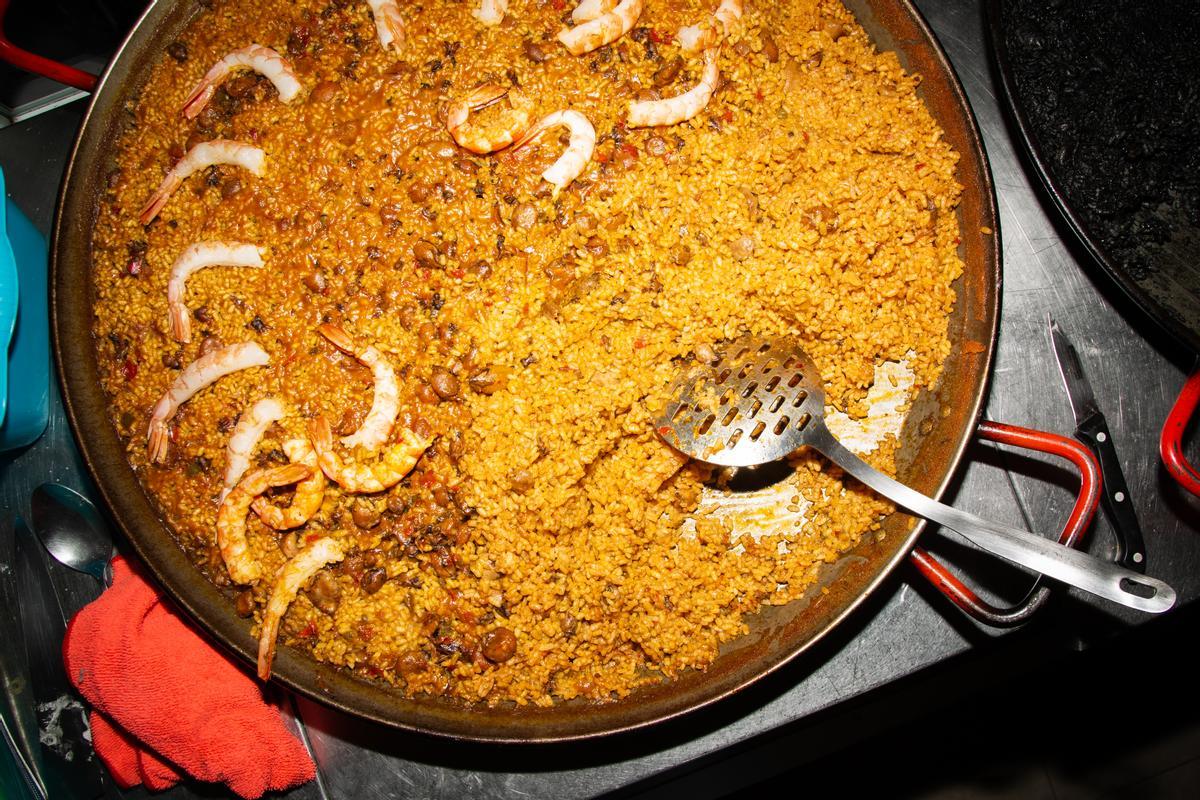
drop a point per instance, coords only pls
(490, 12)
(231, 518)
(389, 25)
(245, 437)
(256, 57)
(377, 426)
(694, 38)
(395, 462)
(288, 582)
(196, 257)
(306, 500)
(607, 27)
(205, 154)
(488, 138)
(590, 9)
(202, 372)
(646, 113)
(578, 152)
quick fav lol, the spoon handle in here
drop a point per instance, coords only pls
(1028, 550)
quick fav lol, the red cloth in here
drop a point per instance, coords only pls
(166, 702)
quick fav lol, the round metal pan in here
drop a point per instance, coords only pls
(1104, 54)
(935, 438)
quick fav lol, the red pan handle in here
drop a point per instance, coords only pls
(31, 62)
(1080, 518)
(1170, 445)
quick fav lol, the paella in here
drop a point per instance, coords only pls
(387, 297)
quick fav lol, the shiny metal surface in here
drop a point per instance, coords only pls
(71, 529)
(760, 400)
(825, 700)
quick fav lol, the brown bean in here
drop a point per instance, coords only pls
(289, 545)
(425, 254)
(835, 30)
(373, 579)
(244, 603)
(586, 222)
(657, 146)
(667, 72)
(419, 192)
(485, 381)
(178, 50)
(499, 645)
(239, 85)
(427, 395)
(323, 92)
(365, 515)
(742, 48)
(297, 41)
(596, 246)
(524, 216)
(444, 383)
(324, 592)
(466, 165)
(681, 254)
(231, 188)
(521, 480)
(769, 48)
(208, 345)
(742, 247)
(315, 282)
(534, 52)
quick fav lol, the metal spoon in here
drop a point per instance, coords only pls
(71, 528)
(761, 400)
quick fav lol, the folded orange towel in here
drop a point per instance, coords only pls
(166, 702)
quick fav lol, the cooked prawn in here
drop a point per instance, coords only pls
(377, 426)
(389, 25)
(597, 32)
(205, 154)
(578, 152)
(488, 138)
(288, 581)
(245, 437)
(309, 494)
(261, 59)
(590, 9)
(490, 12)
(196, 257)
(645, 113)
(694, 38)
(395, 462)
(231, 518)
(202, 372)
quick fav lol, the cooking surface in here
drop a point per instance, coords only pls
(1103, 100)
(906, 627)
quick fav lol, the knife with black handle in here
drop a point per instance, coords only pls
(1092, 429)
(70, 765)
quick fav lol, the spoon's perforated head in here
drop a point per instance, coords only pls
(754, 403)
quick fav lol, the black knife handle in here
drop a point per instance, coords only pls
(1131, 549)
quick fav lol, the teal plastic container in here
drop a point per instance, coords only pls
(24, 329)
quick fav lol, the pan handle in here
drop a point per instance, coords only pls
(1170, 444)
(1080, 518)
(31, 62)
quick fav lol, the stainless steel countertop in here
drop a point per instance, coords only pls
(905, 631)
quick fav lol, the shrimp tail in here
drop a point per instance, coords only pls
(532, 132)
(159, 437)
(199, 98)
(181, 324)
(337, 337)
(158, 199)
(288, 474)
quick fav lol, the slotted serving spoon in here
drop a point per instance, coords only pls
(761, 400)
